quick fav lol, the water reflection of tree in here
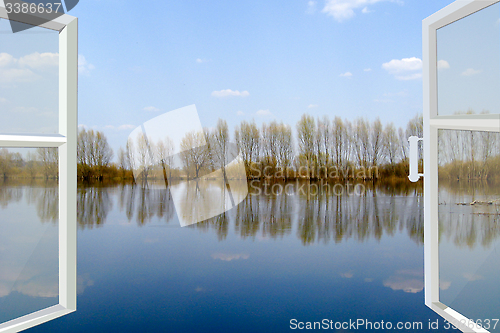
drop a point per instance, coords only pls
(9, 194)
(94, 204)
(276, 215)
(247, 217)
(47, 204)
(145, 203)
(219, 223)
(43, 194)
(319, 218)
(323, 217)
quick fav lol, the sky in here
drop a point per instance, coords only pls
(236, 60)
(468, 64)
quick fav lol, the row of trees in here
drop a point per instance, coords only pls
(468, 155)
(315, 149)
(41, 163)
(94, 160)
(323, 148)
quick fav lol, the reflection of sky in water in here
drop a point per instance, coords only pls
(468, 54)
(28, 253)
(261, 264)
(469, 250)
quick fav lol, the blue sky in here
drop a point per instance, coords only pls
(244, 60)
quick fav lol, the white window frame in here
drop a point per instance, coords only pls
(432, 123)
(66, 142)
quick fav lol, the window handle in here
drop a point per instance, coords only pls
(414, 175)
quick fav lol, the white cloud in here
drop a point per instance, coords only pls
(401, 94)
(367, 69)
(443, 64)
(444, 285)
(17, 75)
(403, 65)
(311, 7)
(201, 61)
(386, 100)
(3, 100)
(6, 60)
(404, 69)
(470, 72)
(344, 9)
(409, 77)
(229, 92)
(240, 113)
(84, 67)
(472, 277)
(410, 281)
(151, 109)
(310, 106)
(230, 257)
(126, 127)
(21, 70)
(119, 128)
(347, 275)
(40, 60)
(346, 74)
(366, 10)
(264, 113)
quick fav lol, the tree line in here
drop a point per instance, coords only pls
(468, 155)
(317, 149)
(41, 163)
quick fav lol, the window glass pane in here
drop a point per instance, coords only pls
(468, 55)
(29, 257)
(469, 222)
(29, 76)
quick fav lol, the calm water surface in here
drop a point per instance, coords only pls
(303, 255)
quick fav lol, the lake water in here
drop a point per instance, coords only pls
(300, 254)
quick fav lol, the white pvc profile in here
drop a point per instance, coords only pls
(66, 141)
(432, 123)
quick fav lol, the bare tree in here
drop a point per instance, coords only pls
(48, 158)
(361, 141)
(270, 146)
(306, 135)
(31, 166)
(93, 153)
(220, 147)
(144, 156)
(123, 160)
(376, 142)
(391, 144)
(403, 144)
(324, 137)
(285, 148)
(5, 163)
(247, 136)
(339, 141)
(195, 154)
(164, 156)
